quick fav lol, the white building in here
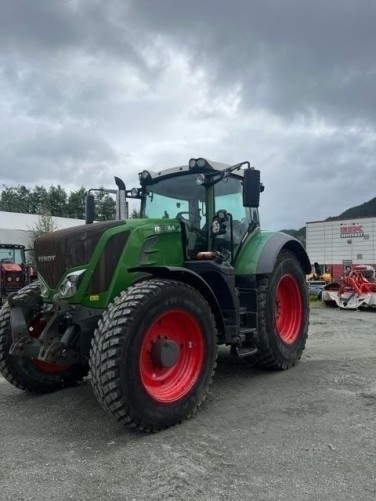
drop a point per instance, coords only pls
(340, 244)
(16, 228)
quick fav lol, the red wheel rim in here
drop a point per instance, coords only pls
(48, 367)
(289, 309)
(35, 330)
(168, 384)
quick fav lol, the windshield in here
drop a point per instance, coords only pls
(181, 197)
(228, 196)
(178, 196)
(169, 197)
(11, 256)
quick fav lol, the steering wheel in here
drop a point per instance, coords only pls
(180, 216)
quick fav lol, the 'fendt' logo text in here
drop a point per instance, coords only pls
(46, 259)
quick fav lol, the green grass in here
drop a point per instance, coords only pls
(314, 302)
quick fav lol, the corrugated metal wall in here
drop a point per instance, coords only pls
(341, 243)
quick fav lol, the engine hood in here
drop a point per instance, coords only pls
(57, 251)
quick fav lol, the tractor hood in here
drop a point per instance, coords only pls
(60, 250)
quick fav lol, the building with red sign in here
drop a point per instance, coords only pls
(338, 245)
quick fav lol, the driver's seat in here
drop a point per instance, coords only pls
(189, 238)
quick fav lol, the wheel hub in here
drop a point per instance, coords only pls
(165, 353)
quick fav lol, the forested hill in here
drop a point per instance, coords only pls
(299, 234)
(367, 209)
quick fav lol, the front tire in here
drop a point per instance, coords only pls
(283, 315)
(28, 374)
(154, 354)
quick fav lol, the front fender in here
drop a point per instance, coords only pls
(187, 276)
(259, 253)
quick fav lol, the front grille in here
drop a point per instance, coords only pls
(107, 263)
(9, 282)
(60, 250)
(12, 288)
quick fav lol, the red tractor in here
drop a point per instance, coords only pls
(14, 273)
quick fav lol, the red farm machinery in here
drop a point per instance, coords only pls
(356, 289)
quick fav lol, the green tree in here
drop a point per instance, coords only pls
(57, 201)
(135, 214)
(105, 206)
(38, 200)
(15, 199)
(45, 224)
(76, 204)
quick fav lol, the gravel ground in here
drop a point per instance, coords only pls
(303, 434)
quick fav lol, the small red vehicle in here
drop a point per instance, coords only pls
(14, 272)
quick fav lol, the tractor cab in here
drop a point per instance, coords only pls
(210, 202)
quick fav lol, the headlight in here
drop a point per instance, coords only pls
(201, 162)
(197, 162)
(71, 283)
(9, 279)
(43, 287)
(144, 175)
(200, 179)
(17, 279)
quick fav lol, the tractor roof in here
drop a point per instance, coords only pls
(210, 165)
(12, 246)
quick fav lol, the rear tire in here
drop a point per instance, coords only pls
(283, 315)
(154, 354)
(24, 373)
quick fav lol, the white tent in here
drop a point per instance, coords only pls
(16, 228)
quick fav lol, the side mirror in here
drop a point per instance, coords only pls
(89, 209)
(251, 188)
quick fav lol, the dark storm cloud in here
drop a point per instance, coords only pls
(41, 26)
(66, 156)
(90, 88)
(291, 56)
(50, 29)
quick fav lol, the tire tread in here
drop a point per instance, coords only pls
(105, 356)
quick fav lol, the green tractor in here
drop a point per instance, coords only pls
(142, 304)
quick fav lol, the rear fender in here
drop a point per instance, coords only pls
(259, 254)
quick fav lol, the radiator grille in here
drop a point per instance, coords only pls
(57, 251)
(107, 263)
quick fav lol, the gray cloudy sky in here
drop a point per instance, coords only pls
(90, 89)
